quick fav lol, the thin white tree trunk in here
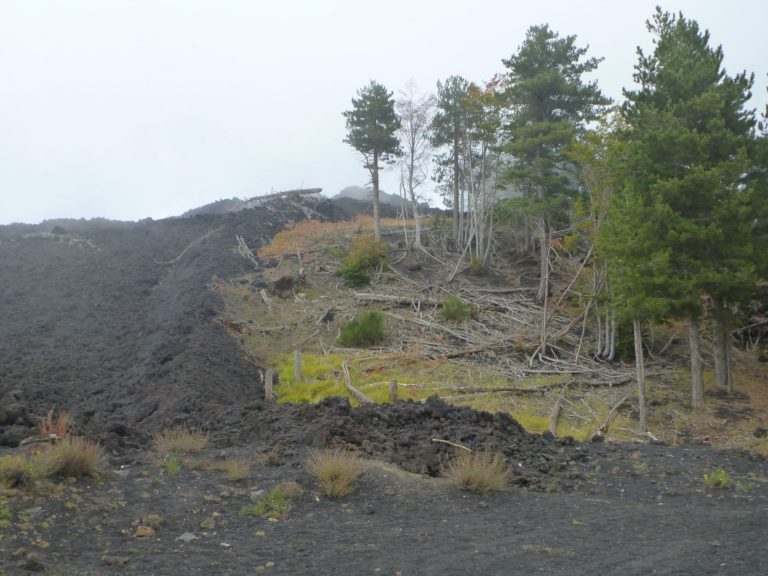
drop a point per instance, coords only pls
(640, 373)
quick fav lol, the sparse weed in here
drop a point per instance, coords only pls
(16, 471)
(181, 440)
(336, 471)
(271, 457)
(480, 471)
(365, 330)
(5, 516)
(73, 457)
(274, 505)
(718, 478)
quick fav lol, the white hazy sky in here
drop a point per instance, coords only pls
(128, 109)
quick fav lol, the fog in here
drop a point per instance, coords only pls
(134, 109)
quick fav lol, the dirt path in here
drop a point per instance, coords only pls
(637, 510)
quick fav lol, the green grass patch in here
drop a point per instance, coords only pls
(718, 478)
(274, 505)
(372, 375)
(173, 465)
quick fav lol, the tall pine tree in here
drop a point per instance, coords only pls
(372, 125)
(689, 141)
(549, 102)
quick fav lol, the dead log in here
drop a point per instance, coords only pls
(400, 301)
(359, 396)
(556, 412)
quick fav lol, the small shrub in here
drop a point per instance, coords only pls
(59, 428)
(16, 471)
(181, 439)
(336, 471)
(73, 457)
(480, 471)
(173, 465)
(718, 478)
(274, 505)
(476, 266)
(455, 309)
(365, 330)
(365, 254)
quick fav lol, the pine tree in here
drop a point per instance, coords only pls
(688, 149)
(549, 103)
(371, 130)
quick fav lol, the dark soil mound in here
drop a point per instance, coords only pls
(114, 321)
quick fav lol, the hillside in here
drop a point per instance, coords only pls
(138, 328)
(114, 321)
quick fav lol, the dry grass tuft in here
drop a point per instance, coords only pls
(59, 428)
(73, 457)
(236, 469)
(181, 440)
(271, 457)
(480, 471)
(336, 471)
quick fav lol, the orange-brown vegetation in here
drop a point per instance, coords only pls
(312, 234)
(59, 428)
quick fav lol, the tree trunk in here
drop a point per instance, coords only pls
(375, 182)
(612, 348)
(697, 368)
(456, 191)
(544, 259)
(640, 370)
(721, 351)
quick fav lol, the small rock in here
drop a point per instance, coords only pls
(32, 512)
(114, 560)
(368, 509)
(144, 532)
(482, 504)
(256, 494)
(390, 491)
(187, 537)
(122, 473)
(208, 524)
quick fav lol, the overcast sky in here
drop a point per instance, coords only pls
(129, 109)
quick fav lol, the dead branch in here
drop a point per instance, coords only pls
(399, 300)
(359, 396)
(451, 444)
(245, 252)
